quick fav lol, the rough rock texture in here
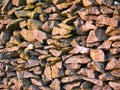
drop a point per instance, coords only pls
(59, 44)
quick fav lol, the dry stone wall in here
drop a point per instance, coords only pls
(59, 45)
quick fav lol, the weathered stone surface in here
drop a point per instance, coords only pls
(116, 44)
(60, 31)
(78, 59)
(95, 36)
(105, 45)
(116, 73)
(18, 2)
(56, 70)
(107, 76)
(63, 5)
(113, 64)
(71, 85)
(96, 66)
(48, 26)
(55, 52)
(80, 49)
(48, 73)
(115, 85)
(31, 63)
(108, 2)
(111, 31)
(98, 55)
(37, 82)
(31, 1)
(106, 10)
(95, 81)
(34, 24)
(55, 85)
(114, 38)
(27, 74)
(106, 87)
(87, 72)
(88, 2)
(115, 50)
(70, 79)
(73, 66)
(86, 85)
(14, 24)
(103, 21)
(33, 35)
(33, 87)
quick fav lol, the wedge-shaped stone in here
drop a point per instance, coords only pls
(96, 66)
(14, 24)
(115, 85)
(33, 35)
(116, 44)
(114, 38)
(31, 1)
(55, 85)
(88, 2)
(107, 76)
(69, 79)
(86, 85)
(87, 72)
(60, 31)
(18, 2)
(80, 49)
(107, 2)
(70, 86)
(105, 45)
(78, 59)
(31, 63)
(94, 81)
(114, 51)
(98, 55)
(104, 21)
(116, 73)
(34, 24)
(96, 35)
(113, 64)
(48, 26)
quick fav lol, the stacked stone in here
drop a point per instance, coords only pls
(59, 45)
